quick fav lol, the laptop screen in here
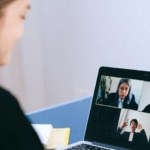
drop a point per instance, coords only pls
(120, 110)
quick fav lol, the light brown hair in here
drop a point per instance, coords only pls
(3, 3)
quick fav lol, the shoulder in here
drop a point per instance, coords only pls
(142, 131)
(8, 103)
(133, 97)
(4, 92)
(6, 96)
(148, 106)
(14, 124)
(112, 95)
(113, 101)
(125, 132)
(133, 101)
(147, 109)
(138, 133)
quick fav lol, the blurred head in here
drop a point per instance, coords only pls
(12, 15)
(124, 88)
(133, 125)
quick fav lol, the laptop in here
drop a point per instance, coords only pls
(119, 117)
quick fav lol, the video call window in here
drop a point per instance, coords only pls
(119, 92)
(133, 127)
(144, 104)
(124, 93)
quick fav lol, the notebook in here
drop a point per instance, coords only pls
(119, 117)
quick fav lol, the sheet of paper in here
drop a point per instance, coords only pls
(43, 131)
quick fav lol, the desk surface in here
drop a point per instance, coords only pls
(73, 115)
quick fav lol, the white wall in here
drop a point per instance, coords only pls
(65, 43)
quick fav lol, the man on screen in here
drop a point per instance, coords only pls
(132, 136)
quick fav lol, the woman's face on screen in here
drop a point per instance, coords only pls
(11, 27)
(123, 90)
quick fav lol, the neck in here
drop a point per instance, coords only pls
(132, 131)
(121, 99)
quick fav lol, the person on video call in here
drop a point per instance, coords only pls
(16, 132)
(146, 109)
(132, 136)
(123, 98)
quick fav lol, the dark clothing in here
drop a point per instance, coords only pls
(147, 109)
(137, 137)
(113, 101)
(16, 132)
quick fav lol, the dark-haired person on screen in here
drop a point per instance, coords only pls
(132, 136)
(123, 98)
(16, 132)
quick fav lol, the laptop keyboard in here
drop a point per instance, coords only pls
(87, 147)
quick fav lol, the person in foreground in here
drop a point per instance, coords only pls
(132, 136)
(16, 132)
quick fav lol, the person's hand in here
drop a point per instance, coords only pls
(139, 127)
(124, 124)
